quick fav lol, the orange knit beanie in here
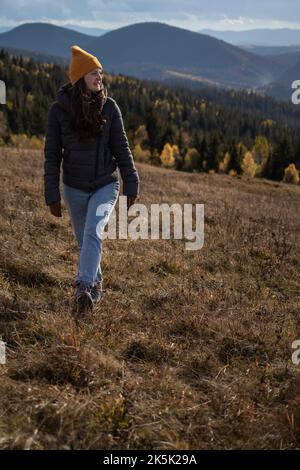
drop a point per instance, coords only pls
(81, 63)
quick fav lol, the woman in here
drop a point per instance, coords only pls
(85, 130)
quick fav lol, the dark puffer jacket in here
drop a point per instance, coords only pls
(86, 165)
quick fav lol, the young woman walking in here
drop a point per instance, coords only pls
(85, 130)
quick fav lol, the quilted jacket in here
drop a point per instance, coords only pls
(91, 164)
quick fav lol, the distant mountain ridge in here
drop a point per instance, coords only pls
(271, 50)
(282, 87)
(153, 50)
(258, 37)
(44, 38)
(86, 30)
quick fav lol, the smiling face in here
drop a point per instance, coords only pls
(93, 79)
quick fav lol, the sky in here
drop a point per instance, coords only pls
(189, 14)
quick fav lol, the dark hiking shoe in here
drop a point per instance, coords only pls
(83, 297)
(96, 292)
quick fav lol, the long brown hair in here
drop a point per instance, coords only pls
(86, 110)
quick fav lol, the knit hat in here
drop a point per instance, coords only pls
(81, 63)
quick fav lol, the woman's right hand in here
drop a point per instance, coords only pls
(55, 209)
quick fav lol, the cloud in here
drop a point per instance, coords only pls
(116, 13)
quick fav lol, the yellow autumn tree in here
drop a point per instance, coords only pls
(223, 165)
(140, 136)
(167, 156)
(26, 142)
(140, 154)
(291, 174)
(248, 165)
(260, 152)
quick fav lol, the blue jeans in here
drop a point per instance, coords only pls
(88, 225)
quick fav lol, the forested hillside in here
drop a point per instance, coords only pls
(193, 130)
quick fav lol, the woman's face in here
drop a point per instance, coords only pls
(93, 79)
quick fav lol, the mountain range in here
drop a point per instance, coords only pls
(157, 51)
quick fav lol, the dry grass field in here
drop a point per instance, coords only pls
(187, 349)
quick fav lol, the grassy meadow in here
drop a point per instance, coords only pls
(187, 349)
